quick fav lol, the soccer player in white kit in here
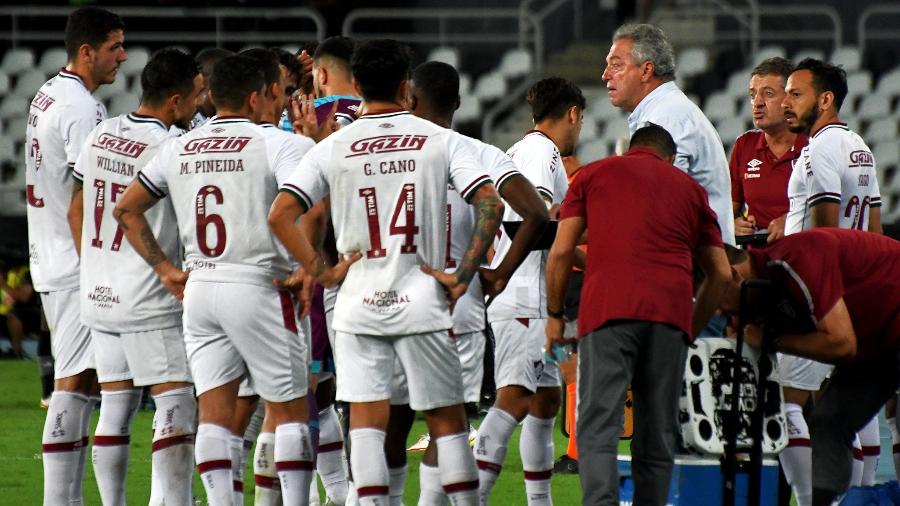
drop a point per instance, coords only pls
(527, 386)
(221, 179)
(434, 95)
(387, 174)
(135, 322)
(62, 114)
(833, 184)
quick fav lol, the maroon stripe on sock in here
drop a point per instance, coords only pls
(238, 486)
(538, 475)
(331, 447)
(213, 465)
(162, 444)
(294, 465)
(871, 451)
(804, 442)
(111, 440)
(61, 447)
(370, 491)
(267, 482)
(489, 466)
(857, 454)
(460, 487)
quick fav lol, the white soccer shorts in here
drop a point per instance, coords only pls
(471, 358)
(366, 368)
(801, 373)
(70, 340)
(233, 329)
(245, 389)
(519, 354)
(148, 358)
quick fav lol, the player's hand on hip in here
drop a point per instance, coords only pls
(744, 226)
(492, 283)
(331, 277)
(173, 278)
(453, 287)
(776, 228)
(301, 285)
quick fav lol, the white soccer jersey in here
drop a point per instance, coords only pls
(538, 159)
(119, 291)
(222, 179)
(468, 314)
(387, 175)
(836, 166)
(62, 114)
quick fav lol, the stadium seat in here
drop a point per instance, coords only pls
(847, 57)
(4, 83)
(448, 55)
(803, 54)
(465, 84)
(616, 129)
(137, 59)
(13, 105)
(887, 155)
(601, 109)
(592, 150)
(469, 109)
(122, 104)
(589, 129)
(490, 86)
(766, 52)
(738, 84)
(859, 83)
(52, 60)
(884, 129)
(15, 127)
(7, 149)
(29, 82)
(731, 128)
(692, 61)
(719, 106)
(889, 83)
(112, 89)
(515, 63)
(873, 106)
(17, 60)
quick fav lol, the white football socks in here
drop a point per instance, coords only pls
(870, 439)
(456, 463)
(796, 459)
(268, 488)
(175, 425)
(330, 458)
(214, 464)
(370, 470)
(112, 440)
(431, 492)
(490, 449)
(536, 449)
(61, 445)
(294, 461)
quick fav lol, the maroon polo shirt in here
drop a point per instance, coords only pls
(813, 269)
(758, 178)
(645, 219)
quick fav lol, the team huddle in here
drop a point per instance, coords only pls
(263, 212)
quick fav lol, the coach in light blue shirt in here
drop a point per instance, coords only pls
(640, 77)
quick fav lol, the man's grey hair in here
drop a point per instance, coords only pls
(649, 43)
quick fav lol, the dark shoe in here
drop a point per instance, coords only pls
(565, 465)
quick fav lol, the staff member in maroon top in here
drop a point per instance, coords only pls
(838, 301)
(761, 160)
(636, 316)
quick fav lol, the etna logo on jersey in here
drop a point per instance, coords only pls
(387, 144)
(120, 145)
(215, 145)
(861, 158)
(42, 101)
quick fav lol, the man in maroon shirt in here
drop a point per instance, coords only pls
(761, 160)
(837, 300)
(637, 315)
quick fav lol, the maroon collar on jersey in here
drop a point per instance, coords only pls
(143, 118)
(68, 74)
(793, 153)
(221, 120)
(387, 113)
(836, 124)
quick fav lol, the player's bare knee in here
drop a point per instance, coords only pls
(446, 420)
(292, 411)
(370, 415)
(515, 400)
(545, 403)
(82, 383)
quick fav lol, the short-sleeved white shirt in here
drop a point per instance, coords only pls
(836, 166)
(119, 291)
(61, 115)
(222, 179)
(387, 175)
(538, 159)
(468, 314)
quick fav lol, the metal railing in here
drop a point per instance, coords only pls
(217, 33)
(864, 34)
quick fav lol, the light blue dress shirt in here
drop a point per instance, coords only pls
(699, 150)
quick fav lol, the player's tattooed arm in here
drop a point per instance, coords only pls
(75, 214)
(129, 212)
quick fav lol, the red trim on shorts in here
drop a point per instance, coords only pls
(489, 466)
(287, 310)
(538, 475)
(370, 491)
(331, 447)
(460, 487)
(238, 486)
(871, 451)
(162, 444)
(213, 465)
(804, 442)
(267, 482)
(293, 465)
(857, 454)
(523, 321)
(62, 447)
(111, 440)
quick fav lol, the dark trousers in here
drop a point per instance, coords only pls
(650, 357)
(852, 396)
